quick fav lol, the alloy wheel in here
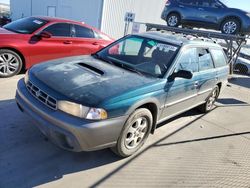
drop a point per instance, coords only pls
(136, 133)
(9, 64)
(172, 21)
(230, 27)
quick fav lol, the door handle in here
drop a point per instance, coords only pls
(181, 6)
(200, 9)
(67, 42)
(95, 43)
(196, 84)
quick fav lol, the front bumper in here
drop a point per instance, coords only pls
(66, 131)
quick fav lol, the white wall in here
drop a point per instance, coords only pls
(88, 11)
(147, 11)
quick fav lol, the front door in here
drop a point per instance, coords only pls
(182, 93)
(58, 46)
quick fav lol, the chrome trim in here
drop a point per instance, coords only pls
(205, 91)
(41, 96)
(179, 101)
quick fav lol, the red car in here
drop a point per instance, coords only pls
(31, 40)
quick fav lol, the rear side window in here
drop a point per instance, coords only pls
(205, 60)
(83, 32)
(188, 61)
(219, 58)
(59, 30)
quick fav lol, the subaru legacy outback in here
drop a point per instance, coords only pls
(209, 14)
(116, 97)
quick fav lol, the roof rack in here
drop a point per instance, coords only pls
(232, 43)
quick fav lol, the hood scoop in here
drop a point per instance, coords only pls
(91, 69)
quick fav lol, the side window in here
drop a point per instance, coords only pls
(188, 60)
(83, 32)
(219, 58)
(205, 3)
(188, 2)
(205, 60)
(59, 30)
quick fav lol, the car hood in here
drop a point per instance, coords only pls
(87, 80)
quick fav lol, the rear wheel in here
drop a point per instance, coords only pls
(10, 63)
(134, 133)
(208, 106)
(230, 26)
(173, 20)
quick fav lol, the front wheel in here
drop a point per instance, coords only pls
(208, 106)
(135, 133)
(10, 63)
(230, 26)
(173, 20)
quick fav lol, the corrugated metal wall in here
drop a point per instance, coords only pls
(114, 12)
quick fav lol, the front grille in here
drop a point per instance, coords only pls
(42, 96)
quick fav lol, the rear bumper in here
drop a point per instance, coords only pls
(66, 131)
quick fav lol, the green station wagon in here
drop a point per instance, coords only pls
(116, 97)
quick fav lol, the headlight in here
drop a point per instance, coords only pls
(81, 111)
(97, 113)
(26, 77)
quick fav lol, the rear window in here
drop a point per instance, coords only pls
(219, 58)
(83, 32)
(25, 25)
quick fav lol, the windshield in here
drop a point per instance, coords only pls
(142, 55)
(25, 25)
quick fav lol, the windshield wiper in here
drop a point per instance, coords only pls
(130, 68)
(122, 65)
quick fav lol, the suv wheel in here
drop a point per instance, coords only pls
(173, 20)
(10, 63)
(134, 133)
(208, 106)
(230, 26)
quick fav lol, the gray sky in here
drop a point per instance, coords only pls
(5, 1)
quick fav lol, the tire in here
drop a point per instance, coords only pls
(10, 63)
(241, 69)
(173, 20)
(134, 134)
(230, 26)
(213, 96)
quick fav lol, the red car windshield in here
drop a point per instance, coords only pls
(25, 25)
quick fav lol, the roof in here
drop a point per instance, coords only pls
(53, 19)
(178, 39)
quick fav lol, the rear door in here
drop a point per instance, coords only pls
(189, 11)
(182, 93)
(207, 78)
(58, 46)
(85, 41)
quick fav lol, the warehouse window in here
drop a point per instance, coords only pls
(59, 30)
(83, 32)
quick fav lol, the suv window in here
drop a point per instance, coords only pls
(205, 60)
(59, 30)
(83, 32)
(219, 58)
(188, 60)
(188, 2)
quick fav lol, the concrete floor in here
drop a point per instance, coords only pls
(192, 150)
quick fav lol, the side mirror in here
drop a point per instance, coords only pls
(181, 74)
(44, 34)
